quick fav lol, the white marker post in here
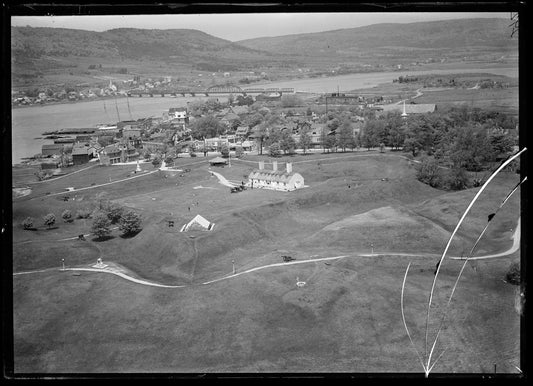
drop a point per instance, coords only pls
(233, 263)
(63, 262)
(372, 246)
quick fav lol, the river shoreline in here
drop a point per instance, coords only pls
(30, 122)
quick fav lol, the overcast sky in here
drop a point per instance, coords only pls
(243, 26)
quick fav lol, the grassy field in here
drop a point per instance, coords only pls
(345, 319)
(504, 100)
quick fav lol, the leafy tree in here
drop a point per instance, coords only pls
(345, 134)
(235, 124)
(274, 150)
(113, 211)
(333, 124)
(66, 215)
(261, 132)
(101, 226)
(323, 138)
(500, 143)
(130, 223)
(287, 142)
(471, 148)
(396, 131)
(49, 219)
(239, 152)
(457, 179)
(156, 161)
(253, 120)
(353, 142)
(27, 223)
(231, 99)
(374, 132)
(224, 150)
(245, 100)
(428, 172)
(330, 142)
(305, 140)
(412, 145)
(207, 127)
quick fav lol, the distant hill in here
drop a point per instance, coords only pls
(47, 56)
(446, 35)
(188, 45)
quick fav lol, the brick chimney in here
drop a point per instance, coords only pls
(275, 166)
(289, 167)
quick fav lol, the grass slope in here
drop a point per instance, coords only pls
(346, 317)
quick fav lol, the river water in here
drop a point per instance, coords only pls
(30, 122)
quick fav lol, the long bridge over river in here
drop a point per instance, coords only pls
(215, 90)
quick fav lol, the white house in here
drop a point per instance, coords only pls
(275, 179)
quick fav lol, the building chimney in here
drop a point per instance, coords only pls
(289, 167)
(261, 165)
(275, 166)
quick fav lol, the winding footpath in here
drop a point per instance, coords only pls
(115, 270)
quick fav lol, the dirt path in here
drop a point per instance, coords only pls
(116, 270)
(222, 179)
(66, 175)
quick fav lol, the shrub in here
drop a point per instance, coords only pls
(513, 274)
(66, 215)
(130, 223)
(27, 223)
(49, 219)
(239, 152)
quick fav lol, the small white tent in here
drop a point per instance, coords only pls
(198, 222)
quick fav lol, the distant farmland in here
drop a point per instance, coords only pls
(502, 100)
